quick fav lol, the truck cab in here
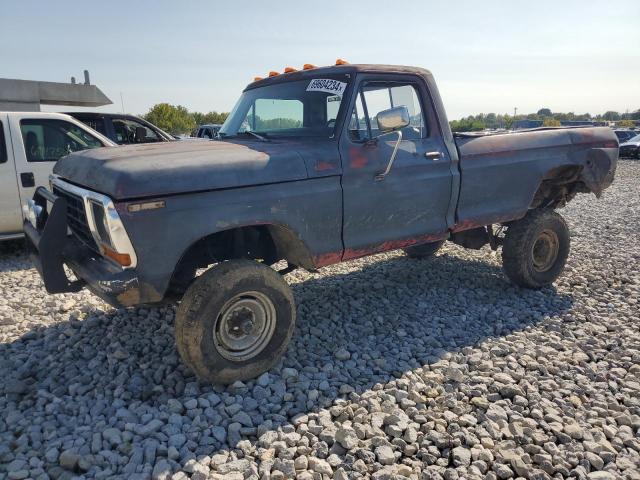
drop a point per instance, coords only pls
(30, 145)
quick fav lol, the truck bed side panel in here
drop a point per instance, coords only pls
(501, 173)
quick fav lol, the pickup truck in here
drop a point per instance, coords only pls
(30, 144)
(123, 129)
(312, 167)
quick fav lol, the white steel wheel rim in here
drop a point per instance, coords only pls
(545, 251)
(244, 326)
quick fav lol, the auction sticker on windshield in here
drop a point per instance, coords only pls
(327, 85)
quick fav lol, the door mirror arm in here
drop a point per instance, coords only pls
(381, 176)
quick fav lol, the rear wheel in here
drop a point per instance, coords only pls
(424, 250)
(536, 248)
(235, 321)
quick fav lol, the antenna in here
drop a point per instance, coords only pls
(122, 102)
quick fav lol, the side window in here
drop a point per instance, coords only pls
(3, 145)
(206, 133)
(130, 131)
(379, 96)
(46, 140)
(96, 123)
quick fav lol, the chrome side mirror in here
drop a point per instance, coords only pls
(392, 120)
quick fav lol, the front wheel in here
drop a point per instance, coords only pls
(536, 248)
(235, 321)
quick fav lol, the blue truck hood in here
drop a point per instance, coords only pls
(152, 170)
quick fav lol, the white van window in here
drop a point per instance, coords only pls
(46, 140)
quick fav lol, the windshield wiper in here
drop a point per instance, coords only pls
(262, 138)
(259, 137)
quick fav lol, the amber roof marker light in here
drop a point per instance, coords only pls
(255, 79)
(308, 66)
(290, 70)
(273, 73)
(340, 61)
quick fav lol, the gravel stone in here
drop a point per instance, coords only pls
(347, 438)
(69, 459)
(384, 454)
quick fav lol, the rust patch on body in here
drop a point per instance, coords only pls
(322, 166)
(332, 258)
(357, 159)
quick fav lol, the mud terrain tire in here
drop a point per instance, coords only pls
(536, 248)
(234, 321)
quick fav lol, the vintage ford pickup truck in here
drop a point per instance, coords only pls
(312, 167)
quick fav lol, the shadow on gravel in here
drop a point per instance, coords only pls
(391, 316)
(13, 256)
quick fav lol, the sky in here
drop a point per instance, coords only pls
(486, 56)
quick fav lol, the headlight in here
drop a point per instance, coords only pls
(104, 223)
(100, 220)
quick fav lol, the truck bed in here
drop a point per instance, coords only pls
(512, 167)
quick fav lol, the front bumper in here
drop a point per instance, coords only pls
(51, 248)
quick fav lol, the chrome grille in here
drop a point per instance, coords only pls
(77, 217)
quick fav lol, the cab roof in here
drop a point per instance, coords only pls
(337, 70)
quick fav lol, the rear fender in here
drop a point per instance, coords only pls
(599, 169)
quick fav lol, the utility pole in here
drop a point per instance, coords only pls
(515, 111)
(121, 102)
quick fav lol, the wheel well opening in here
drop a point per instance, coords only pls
(265, 243)
(251, 242)
(558, 187)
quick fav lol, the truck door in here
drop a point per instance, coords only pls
(409, 205)
(38, 142)
(10, 211)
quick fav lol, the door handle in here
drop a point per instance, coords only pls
(27, 180)
(432, 155)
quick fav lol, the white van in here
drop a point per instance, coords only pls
(30, 145)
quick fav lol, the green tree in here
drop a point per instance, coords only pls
(626, 124)
(611, 115)
(551, 122)
(544, 112)
(211, 117)
(175, 119)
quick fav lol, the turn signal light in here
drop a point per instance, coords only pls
(341, 62)
(121, 258)
(308, 66)
(273, 74)
(255, 79)
(290, 70)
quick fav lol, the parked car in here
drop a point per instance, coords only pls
(209, 130)
(624, 135)
(30, 144)
(313, 167)
(631, 148)
(123, 129)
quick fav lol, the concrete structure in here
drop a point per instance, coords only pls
(28, 95)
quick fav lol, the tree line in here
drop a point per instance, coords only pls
(484, 121)
(177, 120)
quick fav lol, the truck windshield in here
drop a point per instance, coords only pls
(299, 108)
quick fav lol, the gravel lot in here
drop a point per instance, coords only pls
(398, 368)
